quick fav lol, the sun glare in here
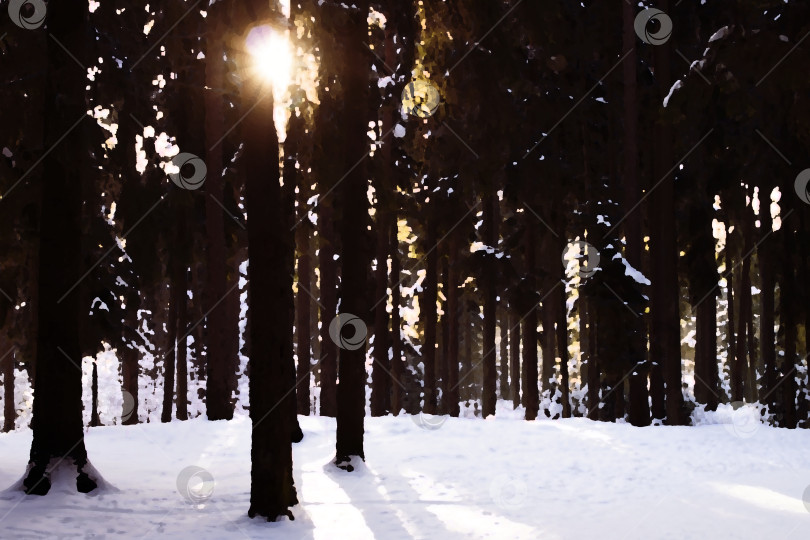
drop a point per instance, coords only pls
(272, 57)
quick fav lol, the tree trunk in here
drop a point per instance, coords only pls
(787, 385)
(767, 336)
(428, 304)
(397, 367)
(488, 286)
(57, 411)
(354, 222)
(220, 353)
(380, 382)
(181, 359)
(503, 373)
(9, 411)
(531, 399)
(514, 356)
(562, 347)
(169, 358)
(271, 250)
(451, 399)
(666, 326)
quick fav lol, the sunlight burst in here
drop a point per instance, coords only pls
(272, 56)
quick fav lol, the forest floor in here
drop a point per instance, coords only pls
(467, 478)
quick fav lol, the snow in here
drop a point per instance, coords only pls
(677, 86)
(729, 477)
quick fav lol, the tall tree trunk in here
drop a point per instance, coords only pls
(744, 298)
(94, 419)
(356, 258)
(169, 358)
(57, 411)
(593, 375)
(735, 386)
(531, 399)
(490, 375)
(428, 304)
(514, 355)
(767, 336)
(666, 325)
(292, 149)
(562, 347)
(220, 353)
(130, 367)
(451, 399)
(181, 359)
(503, 373)
(328, 280)
(380, 378)
(397, 367)
(787, 296)
(7, 364)
(271, 250)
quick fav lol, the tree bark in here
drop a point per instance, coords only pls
(397, 366)
(530, 391)
(451, 399)
(7, 364)
(57, 411)
(271, 251)
(428, 304)
(221, 355)
(488, 286)
(514, 356)
(356, 258)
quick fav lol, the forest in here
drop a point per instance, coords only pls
(404, 268)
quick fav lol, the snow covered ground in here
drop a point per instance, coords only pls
(465, 478)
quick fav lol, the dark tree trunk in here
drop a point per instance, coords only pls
(94, 419)
(328, 276)
(169, 358)
(639, 412)
(488, 286)
(356, 258)
(303, 301)
(380, 378)
(767, 336)
(428, 304)
(220, 351)
(739, 374)
(665, 321)
(514, 356)
(397, 367)
(562, 347)
(531, 398)
(57, 410)
(593, 375)
(271, 250)
(441, 361)
(181, 359)
(9, 411)
(503, 373)
(130, 367)
(735, 385)
(787, 296)
(451, 399)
